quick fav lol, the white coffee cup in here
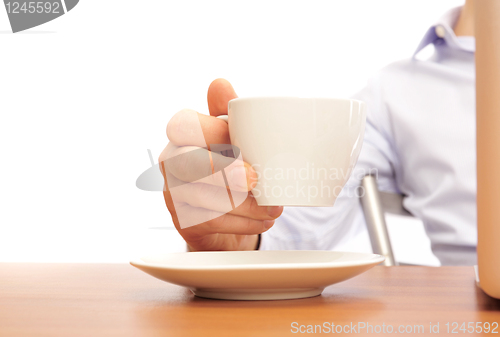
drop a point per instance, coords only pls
(303, 149)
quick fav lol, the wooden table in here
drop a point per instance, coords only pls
(118, 300)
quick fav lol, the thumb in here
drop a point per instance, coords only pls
(219, 94)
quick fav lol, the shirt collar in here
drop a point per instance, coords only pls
(442, 31)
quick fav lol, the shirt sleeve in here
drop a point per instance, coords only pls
(333, 228)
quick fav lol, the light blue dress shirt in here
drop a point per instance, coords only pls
(420, 137)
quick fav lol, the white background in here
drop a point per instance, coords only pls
(82, 98)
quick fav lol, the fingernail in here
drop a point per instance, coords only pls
(268, 224)
(238, 178)
(274, 211)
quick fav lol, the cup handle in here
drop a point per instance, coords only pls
(223, 117)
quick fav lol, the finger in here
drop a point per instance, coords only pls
(250, 209)
(170, 206)
(215, 198)
(219, 94)
(189, 164)
(218, 199)
(188, 127)
(190, 221)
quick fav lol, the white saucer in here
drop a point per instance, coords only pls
(257, 275)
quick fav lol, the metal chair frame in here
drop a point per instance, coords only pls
(375, 204)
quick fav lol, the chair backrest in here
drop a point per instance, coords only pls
(375, 204)
(393, 203)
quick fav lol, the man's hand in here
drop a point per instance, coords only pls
(201, 200)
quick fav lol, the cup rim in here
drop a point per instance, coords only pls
(238, 99)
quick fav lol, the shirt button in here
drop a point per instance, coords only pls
(440, 31)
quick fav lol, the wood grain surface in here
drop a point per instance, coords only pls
(119, 300)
